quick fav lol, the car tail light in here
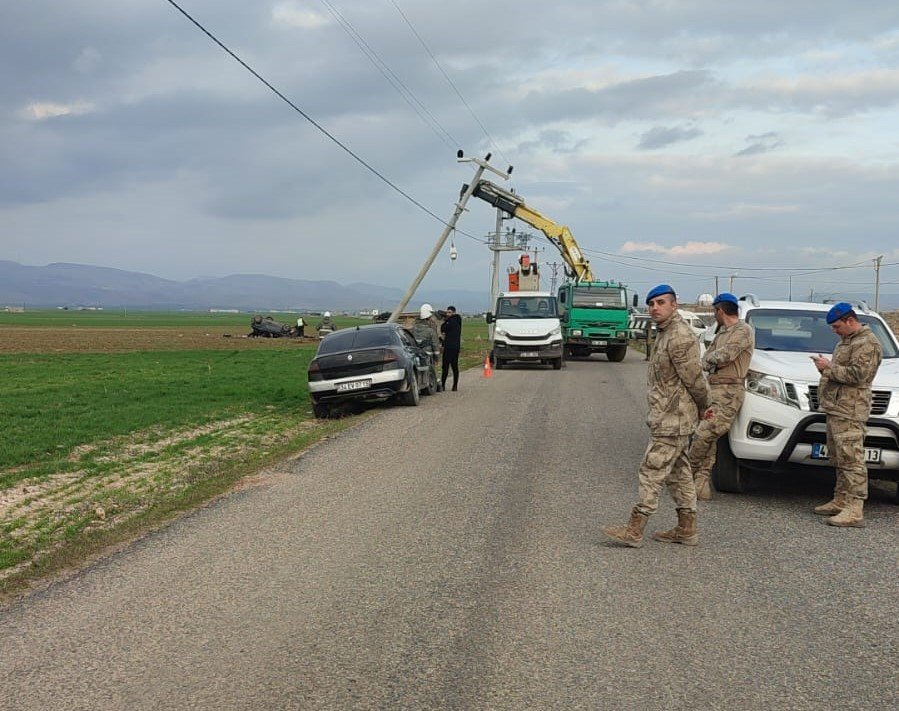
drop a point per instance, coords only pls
(315, 371)
(390, 356)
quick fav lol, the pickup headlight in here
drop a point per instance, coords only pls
(768, 386)
(577, 332)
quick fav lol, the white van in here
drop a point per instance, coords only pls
(526, 328)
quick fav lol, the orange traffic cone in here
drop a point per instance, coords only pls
(488, 368)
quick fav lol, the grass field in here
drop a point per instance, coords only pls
(112, 426)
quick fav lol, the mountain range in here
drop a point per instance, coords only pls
(62, 284)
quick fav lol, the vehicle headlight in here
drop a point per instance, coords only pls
(557, 331)
(499, 332)
(768, 386)
(577, 332)
(621, 334)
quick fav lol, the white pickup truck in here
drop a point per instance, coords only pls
(526, 328)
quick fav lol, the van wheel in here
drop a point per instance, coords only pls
(557, 363)
(498, 364)
(413, 395)
(728, 475)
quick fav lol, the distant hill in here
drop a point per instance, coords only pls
(84, 285)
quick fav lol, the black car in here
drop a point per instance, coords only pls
(369, 364)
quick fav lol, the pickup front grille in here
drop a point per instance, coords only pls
(880, 400)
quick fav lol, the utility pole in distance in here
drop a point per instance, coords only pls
(877, 282)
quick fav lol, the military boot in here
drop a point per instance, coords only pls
(631, 534)
(834, 506)
(703, 487)
(684, 532)
(851, 515)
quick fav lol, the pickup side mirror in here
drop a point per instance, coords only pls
(489, 317)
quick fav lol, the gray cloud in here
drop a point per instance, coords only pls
(761, 143)
(661, 136)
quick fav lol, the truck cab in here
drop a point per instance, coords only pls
(595, 318)
(526, 328)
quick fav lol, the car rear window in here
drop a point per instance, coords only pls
(354, 339)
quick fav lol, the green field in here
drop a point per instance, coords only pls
(124, 318)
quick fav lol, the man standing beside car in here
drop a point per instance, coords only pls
(844, 393)
(451, 329)
(727, 362)
(677, 395)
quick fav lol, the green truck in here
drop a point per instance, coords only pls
(595, 318)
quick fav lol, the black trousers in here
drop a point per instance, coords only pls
(450, 360)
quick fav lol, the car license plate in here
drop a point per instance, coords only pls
(600, 343)
(353, 385)
(819, 451)
(529, 354)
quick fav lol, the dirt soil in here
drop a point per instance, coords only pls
(19, 339)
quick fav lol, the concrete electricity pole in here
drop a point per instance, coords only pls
(877, 282)
(450, 226)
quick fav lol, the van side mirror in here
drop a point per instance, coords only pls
(488, 317)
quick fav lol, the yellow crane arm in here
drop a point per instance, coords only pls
(559, 235)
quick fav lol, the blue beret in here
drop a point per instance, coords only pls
(726, 297)
(658, 291)
(837, 311)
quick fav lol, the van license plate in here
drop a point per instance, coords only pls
(353, 385)
(819, 451)
(529, 354)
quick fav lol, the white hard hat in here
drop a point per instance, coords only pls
(327, 314)
(426, 311)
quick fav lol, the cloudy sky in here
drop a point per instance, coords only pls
(678, 139)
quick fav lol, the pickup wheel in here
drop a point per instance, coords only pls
(322, 412)
(413, 395)
(616, 353)
(728, 475)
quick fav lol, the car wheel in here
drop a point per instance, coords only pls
(616, 353)
(432, 382)
(728, 474)
(322, 412)
(413, 395)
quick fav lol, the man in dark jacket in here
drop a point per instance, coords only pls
(451, 335)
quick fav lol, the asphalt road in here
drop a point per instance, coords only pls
(449, 557)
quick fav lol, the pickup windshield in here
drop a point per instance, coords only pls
(598, 298)
(527, 307)
(807, 331)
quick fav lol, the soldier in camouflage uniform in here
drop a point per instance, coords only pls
(677, 394)
(727, 362)
(844, 393)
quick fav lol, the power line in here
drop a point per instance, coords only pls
(311, 120)
(450, 81)
(404, 91)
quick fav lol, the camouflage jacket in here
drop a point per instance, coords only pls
(425, 333)
(677, 391)
(727, 359)
(845, 386)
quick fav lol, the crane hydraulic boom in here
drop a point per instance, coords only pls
(559, 235)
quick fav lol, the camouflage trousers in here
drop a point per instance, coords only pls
(726, 403)
(846, 451)
(665, 462)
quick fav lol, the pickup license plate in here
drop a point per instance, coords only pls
(529, 354)
(600, 343)
(819, 451)
(353, 385)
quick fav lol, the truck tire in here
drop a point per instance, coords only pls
(616, 353)
(557, 363)
(728, 474)
(322, 412)
(413, 395)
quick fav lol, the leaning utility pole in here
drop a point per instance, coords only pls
(450, 226)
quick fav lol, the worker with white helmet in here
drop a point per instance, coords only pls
(326, 325)
(424, 330)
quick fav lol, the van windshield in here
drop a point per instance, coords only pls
(807, 331)
(527, 307)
